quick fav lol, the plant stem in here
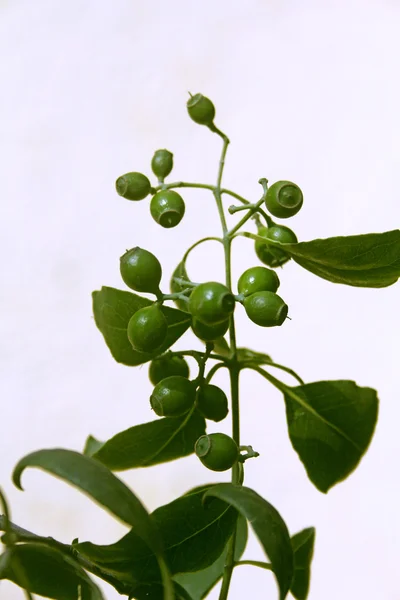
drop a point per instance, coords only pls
(233, 365)
(204, 186)
(254, 563)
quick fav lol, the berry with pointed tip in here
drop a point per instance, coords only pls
(141, 270)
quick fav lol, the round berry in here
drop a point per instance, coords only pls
(162, 163)
(282, 234)
(167, 208)
(173, 396)
(209, 333)
(211, 303)
(268, 254)
(201, 110)
(167, 365)
(266, 309)
(133, 186)
(284, 199)
(212, 402)
(147, 328)
(258, 279)
(217, 451)
(141, 270)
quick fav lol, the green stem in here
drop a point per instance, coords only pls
(204, 186)
(277, 366)
(254, 563)
(213, 370)
(233, 365)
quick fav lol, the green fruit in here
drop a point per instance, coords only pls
(173, 396)
(201, 110)
(141, 270)
(258, 279)
(167, 365)
(162, 163)
(266, 309)
(282, 234)
(167, 208)
(217, 451)
(284, 199)
(147, 328)
(212, 402)
(133, 186)
(211, 303)
(209, 333)
(271, 255)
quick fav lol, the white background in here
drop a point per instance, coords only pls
(307, 91)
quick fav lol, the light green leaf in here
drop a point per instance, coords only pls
(112, 311)
(148, 444)
(268, 526)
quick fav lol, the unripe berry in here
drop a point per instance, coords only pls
(212, 402)
(173, 397)
(272, 255)
(258, 279)
(284, 199)
(167, 208)
(133, 186)
(266, 309)
(162, 163)
(141, 270)
(217, 451)
(167, 365)
(211, 303)
(209, 333)
(201, 110)
(147, 329)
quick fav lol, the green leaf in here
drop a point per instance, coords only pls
(148, 444)
(47, 572)
(199, 583)
(268, 526)
(112, 310)
(303, 548)
(221, 347)
(370, 260)
(94, 479)
(176, 288)
(330, 425)
(193, 536)
(245, 354)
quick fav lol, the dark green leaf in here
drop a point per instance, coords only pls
(199, 583)
(148, 444)
(176, 288)
(112, 310)
(303, 548)
(193, 536)
(268, 526)
(330, 424)
(370, 260)
(47, 572)
(93, 478)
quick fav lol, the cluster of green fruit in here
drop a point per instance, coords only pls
(174, 395)
(166, 207)
(210, 304)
